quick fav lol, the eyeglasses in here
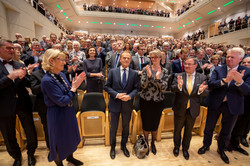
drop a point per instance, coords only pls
(8, 48)
(188, 64)
(154, 57)
(143, 49)
(246, 62)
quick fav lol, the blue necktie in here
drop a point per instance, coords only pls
(116, 60)
(124, 77)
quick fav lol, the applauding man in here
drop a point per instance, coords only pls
(228, 85)
(188, 87)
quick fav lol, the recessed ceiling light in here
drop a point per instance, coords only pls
(61, 11)
(127, 24)
(170, 28)
(140, 25)
(139, 2)
(193, 21)
(114, 23)
(163, 27)
(218, 8)
(67, 17)
(79, 21)
(100, 22)
(152, 26)
(87, 22)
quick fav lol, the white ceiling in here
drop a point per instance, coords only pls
(79, 18)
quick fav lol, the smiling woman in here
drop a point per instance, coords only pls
(61, 120)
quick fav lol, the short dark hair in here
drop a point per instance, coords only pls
(194, 59)
(87, 52)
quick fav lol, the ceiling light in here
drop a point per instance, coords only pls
(100, 22)
(140, 25)
(61, 11)
(163, 27)
(170, 28)
(218, 8)
(79, 22)
(228, 3)
(114, 23)
(87, 22)
(113, 3)
(139, 2)
(152, 26)
(127, 24)
(67, 17)
(193, 21)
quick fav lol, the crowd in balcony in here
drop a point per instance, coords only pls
(38, 5)
(233, 25)
(186, 7)
(118, 9)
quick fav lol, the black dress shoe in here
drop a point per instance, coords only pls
(74, 161)
(244, 142)
(153, 148)
(203, 150)
(223, 156)
(112, 153)
(185, 154)
(17, 162)
(125, 151)
(239, 149)
(31, 160)
(147, 152)
(176, 151)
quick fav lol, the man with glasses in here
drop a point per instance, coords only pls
(228, 85)
(165, 48)
(139, 60)
(178, 64)
(188, 86)
(13, 97)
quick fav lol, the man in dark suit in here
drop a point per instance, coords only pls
(122, 86)
(166, 49)
(178, 64)
(228, 85)
(12, 98)
(208, 54)
(114, 60)
(139, 60)
(33, 56)
(39, 106)
(188, 87)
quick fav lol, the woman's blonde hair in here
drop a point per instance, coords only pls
(156, 52)
(50, 54)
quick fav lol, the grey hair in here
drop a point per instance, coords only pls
(238, 50)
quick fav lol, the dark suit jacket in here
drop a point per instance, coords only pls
(35, 80)
(182, 97)
(199, 69)
(114, 86)
(9, 90)
(111, 61)
(235, 94)
(176, 66)
(29, 59)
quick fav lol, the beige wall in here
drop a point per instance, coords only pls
(19, 16)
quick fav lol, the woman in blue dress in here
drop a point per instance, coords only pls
(61, 119)
(93, 68)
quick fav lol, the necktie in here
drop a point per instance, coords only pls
(182, 66)
(141, 59)
(9, 62)
(116, 60)
(124, 77)
(189, 88)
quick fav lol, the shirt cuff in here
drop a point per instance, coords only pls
(239, 84)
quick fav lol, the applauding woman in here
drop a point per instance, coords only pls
(94, 73)
(154, 82)
(61, 119)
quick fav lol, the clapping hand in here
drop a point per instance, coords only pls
(17, 73)
(202, 87)
(237, 76)
(32, 66)
(180, 81)
(158, 73)
(77, 80)
(148, 71)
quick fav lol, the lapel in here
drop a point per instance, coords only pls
(184, 76)
(118, 71)
(224, 71)
(2, 67)
(196, 78)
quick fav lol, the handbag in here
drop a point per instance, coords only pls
(140, 147)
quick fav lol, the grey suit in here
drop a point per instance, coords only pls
(184, 117)
(110, 60)
(135, 62)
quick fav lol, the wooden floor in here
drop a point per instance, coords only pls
(94, 153)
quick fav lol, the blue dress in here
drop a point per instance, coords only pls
(61, 119)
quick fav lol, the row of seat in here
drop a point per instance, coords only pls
(94, 119)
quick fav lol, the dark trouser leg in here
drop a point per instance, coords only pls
(179, 122)
(212, 117)
(8, 130)
(113, 127)
(246, 131)
(27, 122)
(126, 116)
(228, 121)
(238, 130)
(189, 124)
(43, 117)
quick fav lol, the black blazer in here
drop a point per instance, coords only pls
(182, 97)
(35, 80)
(9, 90)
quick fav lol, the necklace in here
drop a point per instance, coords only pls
(64, 85)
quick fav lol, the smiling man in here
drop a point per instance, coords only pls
(228, 85)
